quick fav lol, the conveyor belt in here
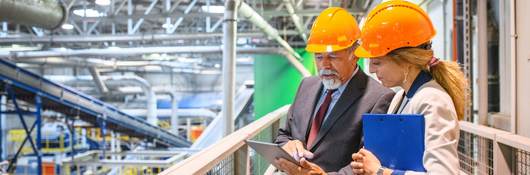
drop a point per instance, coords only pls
(71, 102)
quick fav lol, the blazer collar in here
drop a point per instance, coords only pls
(353, 91)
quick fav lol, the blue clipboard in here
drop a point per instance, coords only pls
(396, 139)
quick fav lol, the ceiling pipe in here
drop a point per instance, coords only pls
(149, 92)
(296, 19)
(96, 76)
(174, 109)
(39, 57)
(122, 38)
(251, 15)
(47, 14)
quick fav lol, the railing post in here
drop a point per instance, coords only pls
(241, 161)
(502, 159)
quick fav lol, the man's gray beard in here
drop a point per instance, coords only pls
(331, 83)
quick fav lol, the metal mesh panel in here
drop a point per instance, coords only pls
(522, 162)
(225, 167)
(475, 154)
(258, 164)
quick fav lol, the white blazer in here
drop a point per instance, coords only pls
(441, 127)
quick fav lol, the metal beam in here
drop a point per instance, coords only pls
(139, 23)
(179, 20)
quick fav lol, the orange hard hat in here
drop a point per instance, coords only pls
(394, 24)
(334, 29)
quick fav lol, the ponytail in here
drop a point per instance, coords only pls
(446, 73)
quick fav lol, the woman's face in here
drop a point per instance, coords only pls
(388, 72)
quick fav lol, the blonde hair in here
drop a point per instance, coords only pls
(446, 73)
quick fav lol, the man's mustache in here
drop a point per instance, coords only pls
(328, 72)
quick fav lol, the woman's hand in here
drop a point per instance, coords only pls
(364, 162)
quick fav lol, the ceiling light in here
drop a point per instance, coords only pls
(166, 26)
(67, 26)
(103, 2)
(213, 9)
(88, 13)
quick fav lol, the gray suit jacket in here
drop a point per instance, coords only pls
(341, 134)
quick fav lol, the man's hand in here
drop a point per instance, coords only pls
(296, 149)
(305, 168)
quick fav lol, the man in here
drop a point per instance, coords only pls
(324, 122)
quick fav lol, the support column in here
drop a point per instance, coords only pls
(3, 129)
(229, 64)
(38, 121)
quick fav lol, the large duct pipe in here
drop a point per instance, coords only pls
(149, 92)
(48, 14)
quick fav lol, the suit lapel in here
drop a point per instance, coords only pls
(353, 91)
(307, 113)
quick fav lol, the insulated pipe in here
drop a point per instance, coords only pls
(296, 19)
(250, 14)
(174, 109)
(48, 14)
(98, 81)
(150, 94)
(229, 64)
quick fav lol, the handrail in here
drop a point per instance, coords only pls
(203, 161)
(500, 136)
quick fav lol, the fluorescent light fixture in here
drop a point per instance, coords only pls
(213, 9)
(67, 26)
(152, 68)
(245, 60)
(88, 13)
(114, 48)
(17, 47)
(166, 26)
(103, 2)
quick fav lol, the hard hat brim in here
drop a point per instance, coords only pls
(325, 48)
(363, 53)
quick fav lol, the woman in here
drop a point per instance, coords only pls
(397, 35)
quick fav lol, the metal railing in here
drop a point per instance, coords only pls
(485, 150)
(481, 150)
(231, 155)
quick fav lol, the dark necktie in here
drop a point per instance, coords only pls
(319, 117)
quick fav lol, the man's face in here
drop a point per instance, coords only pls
(335, 68)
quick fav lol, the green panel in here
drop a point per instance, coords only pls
(276, 81)
(361, 63)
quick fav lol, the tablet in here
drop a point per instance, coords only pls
(271, 151)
